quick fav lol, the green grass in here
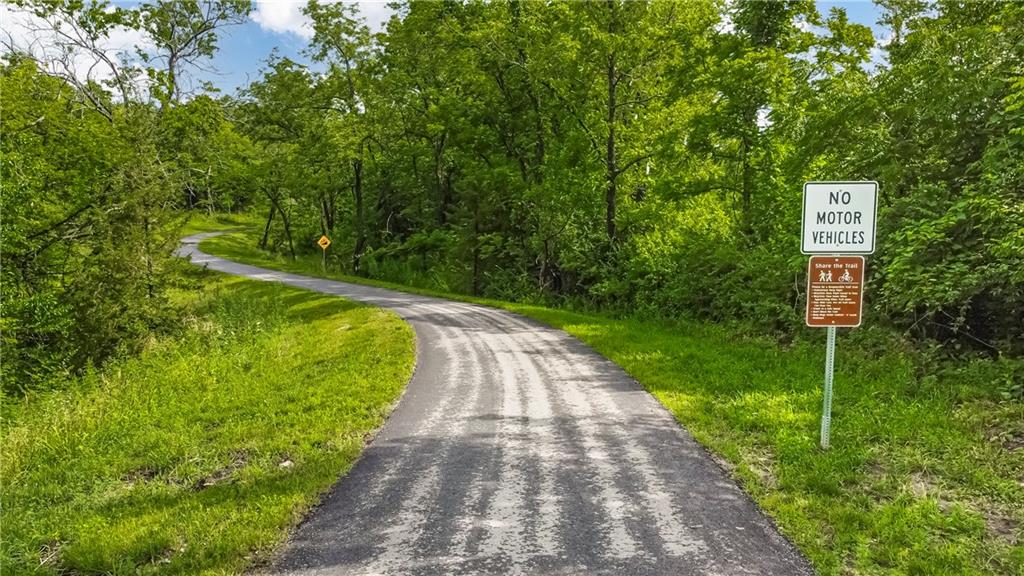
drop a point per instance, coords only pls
(197, 222)
(199, 455)
(926, 470)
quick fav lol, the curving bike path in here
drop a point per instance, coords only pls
(516, 449)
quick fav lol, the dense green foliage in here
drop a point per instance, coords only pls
(636, 156)
(923, 474)
(94, 174)
(650, 156)
(86, 229)
(198, 456)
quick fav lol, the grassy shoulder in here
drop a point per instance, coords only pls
(926, 472)
(199, 455)
(196, 222)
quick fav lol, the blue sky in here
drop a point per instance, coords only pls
(862, 12)
(280, 25)
(245, 48)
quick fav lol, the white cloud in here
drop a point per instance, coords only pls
(14, 24)
(725, 24)
(283, 17)
(25, 32)
(286, 17)
(376, 12)
(877, 58)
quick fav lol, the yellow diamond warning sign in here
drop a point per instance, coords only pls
(324, 242)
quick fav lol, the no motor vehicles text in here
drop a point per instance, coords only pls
(838, 217)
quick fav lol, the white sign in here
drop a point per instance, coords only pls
(839, 217)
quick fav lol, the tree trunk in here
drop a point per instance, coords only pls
(172, 79)
(150, 292)
(209, 191)
(357, 192)
(266, 228)
(287, 226)
(476, 248)
(288, 233)
(748, 184)
(538, 147)
(542, 276)
(442, 181)
(611, 172)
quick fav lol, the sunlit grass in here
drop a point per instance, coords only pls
(925, 474)
(195, 222)
(199, 455)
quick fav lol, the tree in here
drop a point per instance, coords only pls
(341, 38)
(88, 191)
(184, 34)
(88, 228)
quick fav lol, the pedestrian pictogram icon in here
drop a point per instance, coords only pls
(324, 242)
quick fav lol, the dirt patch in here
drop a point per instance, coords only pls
(167, 555)
(1010, 438)
(223, 474)
(876, 470)
(144, 474)
(1003, 527)
(762, 464)
(723, 463)
(1013, 442)
(923, 487)
(49, 553)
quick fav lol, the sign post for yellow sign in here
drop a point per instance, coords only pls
(323, 243)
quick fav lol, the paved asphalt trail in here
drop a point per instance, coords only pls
(516, 449)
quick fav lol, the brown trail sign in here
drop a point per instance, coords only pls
(835, 291)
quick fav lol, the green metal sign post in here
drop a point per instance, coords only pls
(826, 410)
(838, 224)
